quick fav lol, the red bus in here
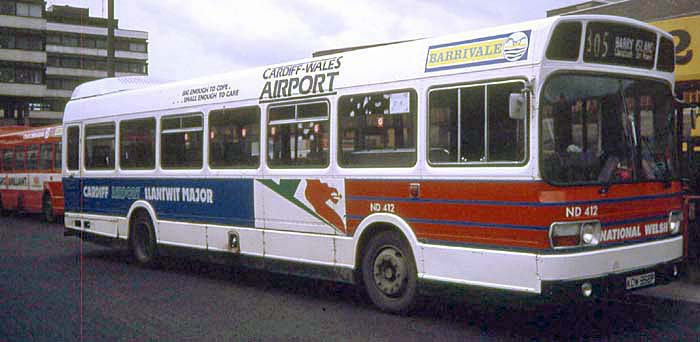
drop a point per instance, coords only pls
(30, 171)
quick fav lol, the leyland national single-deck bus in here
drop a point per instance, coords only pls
(537, 157)
(30, 171)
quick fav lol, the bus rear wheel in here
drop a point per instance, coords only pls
(47, 209)
(389, 273)
(143, 241)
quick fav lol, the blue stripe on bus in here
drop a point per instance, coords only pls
(463, 223)
(509, 203)
(513, 226)
(218, 201)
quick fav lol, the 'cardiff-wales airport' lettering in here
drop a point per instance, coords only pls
(305, 79)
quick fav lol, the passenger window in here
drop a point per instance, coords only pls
(73, 148)
(181, 142)
(137, 144)
(46, 160)
(8, 160)
(99, 146)
(377, 129)
(32, 157)
(472, 125)
(20, 158)
(57, 157)
(234, 138)
(298, 136)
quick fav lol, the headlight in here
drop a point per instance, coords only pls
(675, 220)
(574, 234)
(590, 233)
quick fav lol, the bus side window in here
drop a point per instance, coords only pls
(377, 129)
(20, 158)
(99, 146)
(45, 159)
(471, 124)
(298, 136)
(181, 141)
(32, 157)
(137, 144)
(234, 138)
(8, 161)
(73, 148)
(58, 156)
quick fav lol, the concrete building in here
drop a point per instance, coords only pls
(46, 53)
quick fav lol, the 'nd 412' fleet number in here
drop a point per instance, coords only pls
(587, 211)
(376, 207)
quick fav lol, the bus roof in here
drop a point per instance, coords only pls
(20, 133)
(508, 46)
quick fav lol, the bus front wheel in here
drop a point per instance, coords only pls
(143, 241)
(389, 273)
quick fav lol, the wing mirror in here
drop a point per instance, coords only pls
(517, 106)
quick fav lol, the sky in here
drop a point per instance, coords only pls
(193, 38)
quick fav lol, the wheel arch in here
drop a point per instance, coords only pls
(376, 223)
(140, 207)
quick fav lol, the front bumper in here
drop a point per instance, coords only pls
(612, 285)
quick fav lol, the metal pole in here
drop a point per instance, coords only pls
(110, 38)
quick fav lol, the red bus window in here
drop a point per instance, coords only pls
(20, 158)
(7, 160)
(46, 159)
(57, 157)
(32, 157)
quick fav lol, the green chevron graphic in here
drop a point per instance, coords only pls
(287, 188)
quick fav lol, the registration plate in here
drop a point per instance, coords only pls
(641, 280)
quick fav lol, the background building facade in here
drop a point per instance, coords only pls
(46, 52)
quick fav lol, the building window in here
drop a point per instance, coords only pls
(137, 47)
(121, 66)
(471, 125)
(7, 75)
(8, 8)
(71, 41)
(377, 129)
(137, 144)
(28, 10)
(70, 62)
(7, 40)
(234, 138)
(298, 136)
(181, 142)
(53, 61)
(28, 76)
(99, 146)
(54, 39)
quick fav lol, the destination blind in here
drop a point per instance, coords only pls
(619, 44)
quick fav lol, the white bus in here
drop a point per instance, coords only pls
(536, 157)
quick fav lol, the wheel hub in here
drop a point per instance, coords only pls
(390, 271)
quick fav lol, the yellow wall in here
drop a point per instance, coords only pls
(686, 35)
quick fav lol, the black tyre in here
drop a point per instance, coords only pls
(3, 211)
(143, 241)
(389, 273)
(47, 209)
